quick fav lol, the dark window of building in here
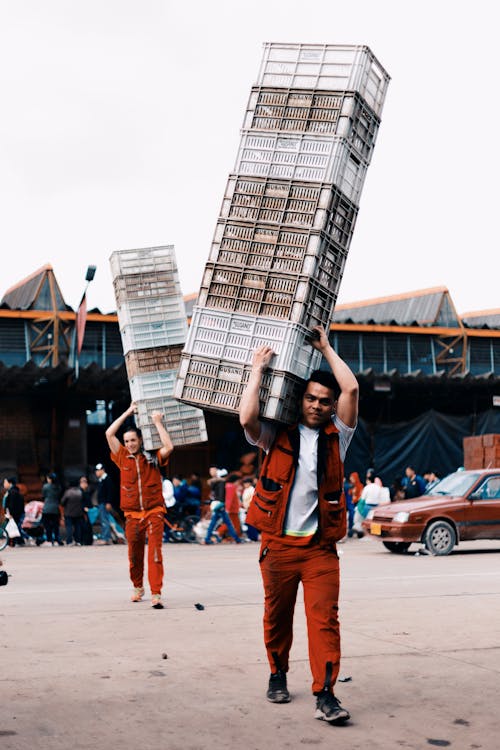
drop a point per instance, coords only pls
(480, 351)
(397, 352)
(348, 349)
(114, 348)
(12, 342)
(495, 345)
(421, 354)
(92, 345)
(373, 352)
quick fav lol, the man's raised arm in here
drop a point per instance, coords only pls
(249, 403)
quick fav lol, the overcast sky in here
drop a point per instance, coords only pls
(120, 122)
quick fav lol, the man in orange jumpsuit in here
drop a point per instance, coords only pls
(141, 500)
(299, 508)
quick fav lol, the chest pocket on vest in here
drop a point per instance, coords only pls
(282, 465)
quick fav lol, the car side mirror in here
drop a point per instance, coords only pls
(477, 495)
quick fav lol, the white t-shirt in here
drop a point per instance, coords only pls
(373, 494)
(302, 512)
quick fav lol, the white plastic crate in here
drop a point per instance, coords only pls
(150, 310)
(340, 113)
(142, 361)
(184, 423)
(295, 298)
(302, 157)
(152, 260)
(152, 385)
(216, 385)
(330, 67)
(144, 286)
(287, 203)
(233, 337)
(149, 335)
(185, 431)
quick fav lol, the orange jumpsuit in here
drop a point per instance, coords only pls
(286, 561)
(141, 500)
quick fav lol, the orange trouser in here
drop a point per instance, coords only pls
(135, 531)
(318, 569)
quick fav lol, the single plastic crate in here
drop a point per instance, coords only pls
(216, 385)
(183, 432)
(152, 385)
(169, 406)
(234, 337)
(152, 360)
(302, 157)
(302, 205)
(340, 113)
(297, 299)
(325, 66)
(152, 310)
(152, 260)
(184, 423)
(145, 286)
(151, 335)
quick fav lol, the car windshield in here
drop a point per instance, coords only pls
(457, 483)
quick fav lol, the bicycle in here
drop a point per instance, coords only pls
(4, 534)
(182, 530)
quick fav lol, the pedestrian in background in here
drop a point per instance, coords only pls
(218, 506)
(13, 501)
(105, 493)
(413, 483)
(72, 504)
(51, 519)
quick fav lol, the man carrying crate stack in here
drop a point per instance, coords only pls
(299, 508)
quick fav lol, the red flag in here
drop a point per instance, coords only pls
(81, 319)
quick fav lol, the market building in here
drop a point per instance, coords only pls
(428, 377)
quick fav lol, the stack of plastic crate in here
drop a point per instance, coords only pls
(285, 225)
(153, 328)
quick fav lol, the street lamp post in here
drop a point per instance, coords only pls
(80, 320)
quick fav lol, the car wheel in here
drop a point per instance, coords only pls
(398, 547)
(440, 538)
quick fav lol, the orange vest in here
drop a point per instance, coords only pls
(140, 480)
(267, 510)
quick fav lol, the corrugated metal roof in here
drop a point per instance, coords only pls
(39, 291)
(426, 307)
(482, 319)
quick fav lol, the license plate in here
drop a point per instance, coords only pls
(376, 528)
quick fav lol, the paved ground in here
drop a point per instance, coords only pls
(83, 668)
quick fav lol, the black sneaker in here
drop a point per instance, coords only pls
(328, 708)
(277, 692)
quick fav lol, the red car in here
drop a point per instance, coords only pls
(464, 506)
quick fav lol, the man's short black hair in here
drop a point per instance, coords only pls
(325, 378)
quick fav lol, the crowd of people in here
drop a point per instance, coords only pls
(86, 511)
(83, 512)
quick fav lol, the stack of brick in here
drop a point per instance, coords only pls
(153, 329)
(482, 452)
(285, 224)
